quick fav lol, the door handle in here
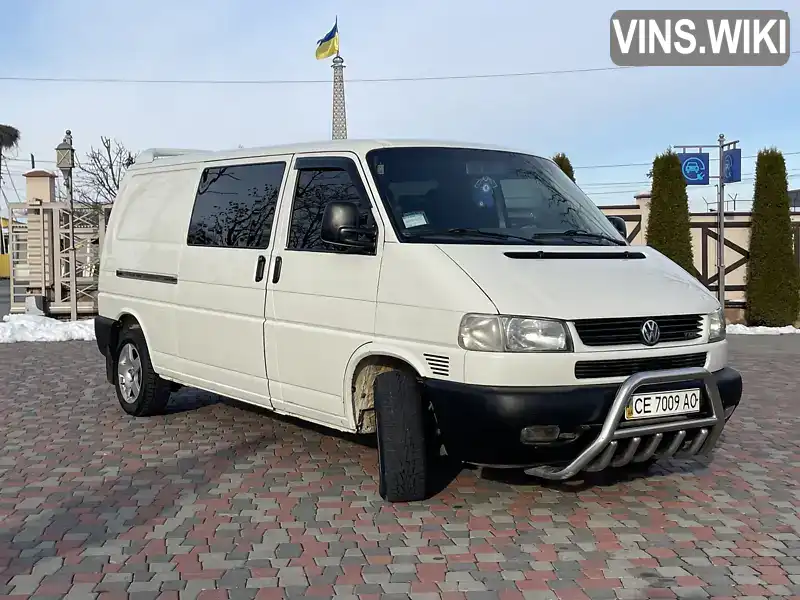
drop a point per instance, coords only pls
(260, 268)
(276, 273)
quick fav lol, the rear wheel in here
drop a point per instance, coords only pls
(406, 438)
(140, 391)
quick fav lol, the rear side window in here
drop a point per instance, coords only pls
(235, 206)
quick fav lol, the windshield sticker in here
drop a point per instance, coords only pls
(415, 219)
(484, 191)
(486, 184)
(380, 169)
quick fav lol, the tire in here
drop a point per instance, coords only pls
(151, 395)
(404, 453)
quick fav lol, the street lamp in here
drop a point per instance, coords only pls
(65, 155)
(65, 160)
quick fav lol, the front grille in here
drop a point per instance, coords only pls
(628, 331)
(595, 369)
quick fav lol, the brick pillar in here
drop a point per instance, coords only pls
(40, 190)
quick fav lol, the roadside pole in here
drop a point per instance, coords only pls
(65, 159)
(695, 169)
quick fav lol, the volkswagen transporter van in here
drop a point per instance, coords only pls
(457, 300)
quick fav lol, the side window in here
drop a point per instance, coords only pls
(315, 189)
(235, 206)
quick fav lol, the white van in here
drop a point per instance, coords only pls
(458, 300)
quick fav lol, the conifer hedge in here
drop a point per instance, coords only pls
(668, 228)
(772, 281)
(563, 162)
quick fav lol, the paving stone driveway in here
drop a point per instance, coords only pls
(219, 501)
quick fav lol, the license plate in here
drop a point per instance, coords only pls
(663, 404)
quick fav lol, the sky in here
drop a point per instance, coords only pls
(603, 118)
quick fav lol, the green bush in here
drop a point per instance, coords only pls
(773, 282)
(668, 228)
(563, 162)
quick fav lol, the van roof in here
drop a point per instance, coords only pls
(176, 156)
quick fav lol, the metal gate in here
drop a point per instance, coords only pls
(40, 258)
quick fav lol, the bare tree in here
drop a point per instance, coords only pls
(99, 175)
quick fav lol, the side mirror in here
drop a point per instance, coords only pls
(619, 225)
(341, 226)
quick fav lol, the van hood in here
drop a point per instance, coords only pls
(581, 282)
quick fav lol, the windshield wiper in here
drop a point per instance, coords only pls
(533, 239)
(494, 234)
(473, 231)
(573, 233)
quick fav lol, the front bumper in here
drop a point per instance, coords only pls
(483, 425)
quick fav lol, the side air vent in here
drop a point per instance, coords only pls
(439, 365)
(550, 254)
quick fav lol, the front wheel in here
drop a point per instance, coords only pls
(404, 445)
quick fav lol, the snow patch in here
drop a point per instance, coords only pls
(34, 328)
(737, 329)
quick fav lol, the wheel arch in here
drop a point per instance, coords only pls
(126, 317)
(364, 365)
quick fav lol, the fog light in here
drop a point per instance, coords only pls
(538, 434)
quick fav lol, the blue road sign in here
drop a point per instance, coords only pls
(694, 166)
(732, 165)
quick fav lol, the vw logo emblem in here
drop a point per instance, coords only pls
(650, 332)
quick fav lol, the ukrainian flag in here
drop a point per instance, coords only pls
(329, 45)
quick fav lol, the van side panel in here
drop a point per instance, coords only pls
(221, 293)
(141, 252)
(319, 312)
(421, 299)
(220, 317)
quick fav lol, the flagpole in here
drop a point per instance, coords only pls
(339, 111)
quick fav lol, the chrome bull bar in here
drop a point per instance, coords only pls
(618, 446)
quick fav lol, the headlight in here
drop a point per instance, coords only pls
(716, 326)
(498, 333)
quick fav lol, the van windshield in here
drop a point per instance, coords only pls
(464, 195)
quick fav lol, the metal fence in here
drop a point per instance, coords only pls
(39, 242)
